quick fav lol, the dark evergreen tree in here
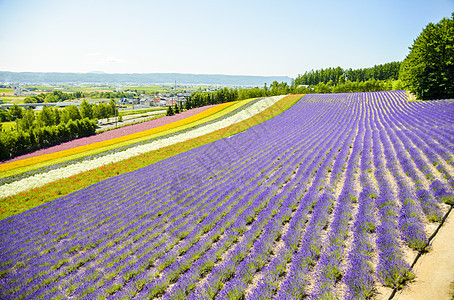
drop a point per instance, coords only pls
(170, 111)
(428, 70)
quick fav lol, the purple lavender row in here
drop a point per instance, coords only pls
(271, 275)
(239, 252)
(359, 273)
(280, 218)
(197, 249)
(315, 190)
(328, 271)
(350, 171)
(392, 270)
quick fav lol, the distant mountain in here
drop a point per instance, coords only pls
(96, 72)
(138, 78)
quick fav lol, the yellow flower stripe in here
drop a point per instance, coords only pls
(9, 169)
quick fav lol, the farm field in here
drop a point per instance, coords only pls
(327, 197)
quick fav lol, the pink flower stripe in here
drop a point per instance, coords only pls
(107, 135)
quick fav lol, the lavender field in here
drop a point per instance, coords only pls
(331, 199)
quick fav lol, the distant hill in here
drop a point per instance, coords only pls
(138, 78)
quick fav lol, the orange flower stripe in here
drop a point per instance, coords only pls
(42, 158)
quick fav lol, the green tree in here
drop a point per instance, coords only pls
(113, 111)
(342, 79)
(71, 112)
(170, 111)
(46, 117)
(4, 116)
(428, 70)
(51, 98)
(102, 111)
(181, 106)
(86, 110)
(57, 114)
(27, 121)
(16, 112)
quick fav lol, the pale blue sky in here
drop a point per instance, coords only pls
(209, 37)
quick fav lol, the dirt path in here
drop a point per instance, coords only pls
(104, 124)
(434, 270)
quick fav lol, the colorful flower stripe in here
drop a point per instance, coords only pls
(114, 133)
(60, 156)
(67, 171)
(258, 112)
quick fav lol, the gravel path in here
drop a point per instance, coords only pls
(434, 270)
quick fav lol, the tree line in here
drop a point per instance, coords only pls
(52, 97)
(176, 109)
(50, 126)
(224, 95)
(388, 71)
(59, 96)
(233, 94)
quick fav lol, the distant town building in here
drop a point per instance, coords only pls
(19, 91)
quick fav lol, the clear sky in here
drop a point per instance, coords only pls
(247, 37)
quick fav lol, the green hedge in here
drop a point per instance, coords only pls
(15, 143)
